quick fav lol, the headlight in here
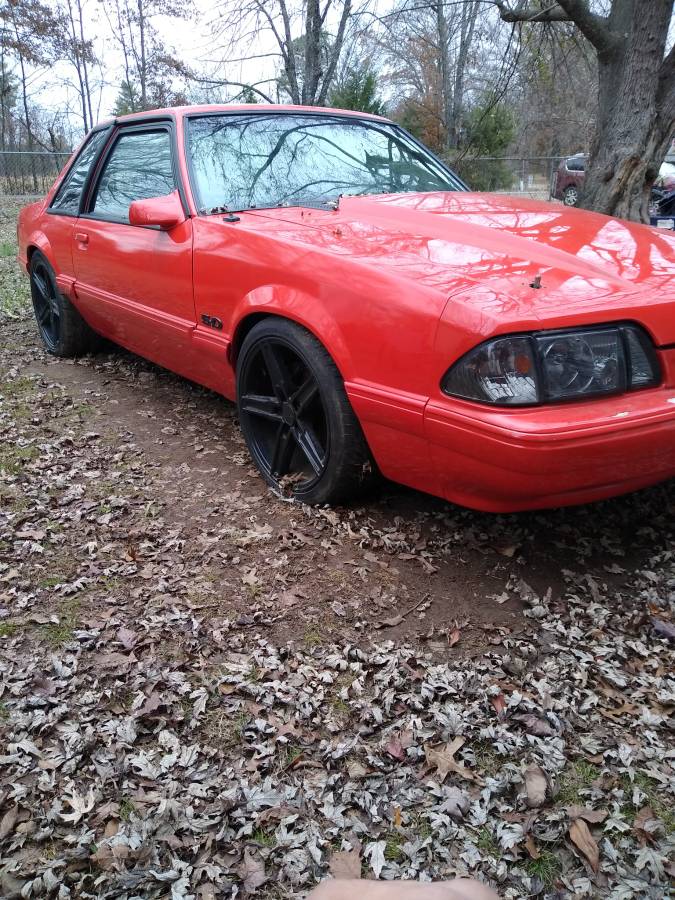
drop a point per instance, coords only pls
(547, 366)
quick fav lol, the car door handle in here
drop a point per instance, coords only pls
(81, 237)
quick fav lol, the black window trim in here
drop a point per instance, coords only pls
(318, 113)
(149, 124)
(51, 210)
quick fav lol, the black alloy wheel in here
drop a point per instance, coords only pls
(295, 416)
(45, 303)
(62, 329)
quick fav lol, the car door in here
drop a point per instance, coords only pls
(64, 207)
(134, 283)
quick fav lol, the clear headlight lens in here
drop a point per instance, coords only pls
(545, 367)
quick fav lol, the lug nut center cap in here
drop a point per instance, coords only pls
(288, 414)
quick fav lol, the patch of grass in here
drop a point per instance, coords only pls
(7, 249)
(8, 629)
(312, 638)
(393, 849)
(222, 730)
(288, 755)
(264, 838)
(59, 633)
(13, 459)
(126, 809)
(18, 387)
(653, 791)
(488, 761)
(487, 843)
(575, 778)
(547, 868)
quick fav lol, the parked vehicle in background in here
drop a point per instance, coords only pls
(569, 178)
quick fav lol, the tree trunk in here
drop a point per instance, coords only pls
(85, 66)
(312, 52)
(636, 119)
(143, 68)
(468, 24)
(444, 68)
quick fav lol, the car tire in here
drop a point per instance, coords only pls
(62, 329)
(571, 196)
(298, 424)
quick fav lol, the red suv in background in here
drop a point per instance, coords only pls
(569, 178)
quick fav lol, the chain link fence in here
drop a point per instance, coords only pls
(25, 173)
(31, 174)
(529, 176)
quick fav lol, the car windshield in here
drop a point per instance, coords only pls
(249, 161)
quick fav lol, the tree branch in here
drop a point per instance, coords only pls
(594, 27)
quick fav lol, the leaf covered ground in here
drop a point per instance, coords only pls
(206, 691)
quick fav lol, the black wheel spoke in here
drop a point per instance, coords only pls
(283, 452)
(262, 406)
(277, 370)
(308, 443)
(41, 286)
(305, 394)
(43, 314)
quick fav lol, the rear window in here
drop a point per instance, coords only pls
(67, 198)
(576, 163)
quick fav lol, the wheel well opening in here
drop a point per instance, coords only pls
(30, 250)
(243, 328)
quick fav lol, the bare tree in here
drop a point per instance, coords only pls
(636, 94)
(446, 31)
(76, 49)
(147, 63)
(309, 39)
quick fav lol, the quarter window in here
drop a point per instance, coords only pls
(67, 198)
(138, 167)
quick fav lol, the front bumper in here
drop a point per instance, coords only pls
(506, 461)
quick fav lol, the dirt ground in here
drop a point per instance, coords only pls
(175, 639)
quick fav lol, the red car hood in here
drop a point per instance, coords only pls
(587, 265)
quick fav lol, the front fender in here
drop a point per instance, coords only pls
(300, 307)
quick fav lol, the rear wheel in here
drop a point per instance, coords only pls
(62, 329)
(295, 416)
(571, 196)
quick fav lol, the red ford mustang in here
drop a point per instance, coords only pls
(336, 279)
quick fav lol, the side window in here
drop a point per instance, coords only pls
(67, 198)
(139, 166)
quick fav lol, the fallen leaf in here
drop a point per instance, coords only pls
(251, 870)
(667, 629)
(536, 786)
(507, 550)
(456, 803)
(394, 748)
(498, 702)
(454, 637)
(8, 821)
(531, 847)
(127, 638)
(646, 825)
(442, 759)
(345, 864)
(582, 838)
(594, 816)
(535, 725)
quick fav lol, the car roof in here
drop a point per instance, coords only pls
(211, 108)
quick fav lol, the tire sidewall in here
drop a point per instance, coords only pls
(38, 258)
(303, 344)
